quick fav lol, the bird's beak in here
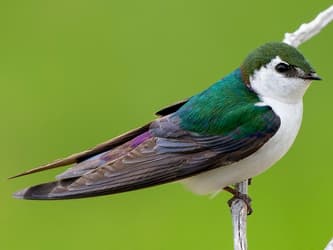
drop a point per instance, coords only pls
(311, 76)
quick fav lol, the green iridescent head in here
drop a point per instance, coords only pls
(267, 52)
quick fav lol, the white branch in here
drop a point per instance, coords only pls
(238, 206)
(329, 246)
(239, 217)
(308, 30)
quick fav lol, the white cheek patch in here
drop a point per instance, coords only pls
(267, 82)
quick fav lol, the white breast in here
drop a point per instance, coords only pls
(285, 96)
(215, 180)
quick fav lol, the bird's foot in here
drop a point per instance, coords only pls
(238, 195)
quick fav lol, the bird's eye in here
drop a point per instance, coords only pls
(282, 67)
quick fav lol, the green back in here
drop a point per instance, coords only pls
(226, 106)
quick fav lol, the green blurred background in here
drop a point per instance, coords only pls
(75, 73)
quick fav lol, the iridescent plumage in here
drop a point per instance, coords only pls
(216, 128)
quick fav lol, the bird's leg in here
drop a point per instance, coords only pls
(238, 195)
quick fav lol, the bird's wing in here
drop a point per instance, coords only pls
(162, 154)
(79, 157)
(103, 147)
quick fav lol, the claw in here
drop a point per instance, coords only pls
(241, 196)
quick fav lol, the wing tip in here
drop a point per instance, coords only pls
(17, 175)
(38, 192)
(21, 194)
(55, 164)
(56, 190)
(30, 194)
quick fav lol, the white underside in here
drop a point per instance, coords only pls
(284, 95)
(215, 180)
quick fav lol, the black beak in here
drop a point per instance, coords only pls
(312, 76)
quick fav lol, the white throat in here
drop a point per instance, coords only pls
(268, 83)
(284, 95)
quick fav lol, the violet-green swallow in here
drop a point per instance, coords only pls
(230, 132)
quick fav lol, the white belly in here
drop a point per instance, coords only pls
(214, 180)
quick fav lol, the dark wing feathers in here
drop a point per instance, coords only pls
(102, 158)
(105, 146)
(163, 154)
(79, 157)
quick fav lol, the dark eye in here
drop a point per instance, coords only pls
(282, 67)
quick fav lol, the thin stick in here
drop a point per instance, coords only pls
(330, 245)
(239, 217)
(308, 30)
(238, 206)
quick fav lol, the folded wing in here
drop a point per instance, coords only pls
(103, 147)
(160, 153)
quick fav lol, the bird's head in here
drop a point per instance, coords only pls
(279, 71)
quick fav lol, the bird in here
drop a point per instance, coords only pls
(230, 132)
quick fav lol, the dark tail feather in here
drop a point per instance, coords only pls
(45, 191)
(79, 157)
